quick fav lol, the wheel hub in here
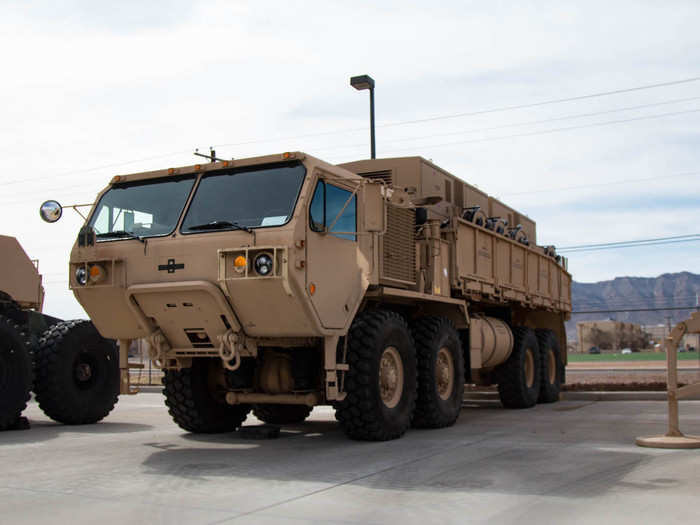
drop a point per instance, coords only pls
(390, 377)
(83, 372)
(444, 373)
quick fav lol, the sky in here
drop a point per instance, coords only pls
(95, 89)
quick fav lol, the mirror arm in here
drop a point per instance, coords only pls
(76, 206)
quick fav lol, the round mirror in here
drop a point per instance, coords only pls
(51, 211)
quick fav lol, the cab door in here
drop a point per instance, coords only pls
(333, 276)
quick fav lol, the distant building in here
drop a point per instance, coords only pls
(691, 341)
(611, 335)
(659, 332)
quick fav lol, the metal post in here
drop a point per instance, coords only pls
(674, 438)
(697, 346)
(672, 387)
(362, 82)
(371, 121)
(124, 381)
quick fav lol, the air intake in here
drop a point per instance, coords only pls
(384, 176)
(398, 253)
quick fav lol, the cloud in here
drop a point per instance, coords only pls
(89, 84)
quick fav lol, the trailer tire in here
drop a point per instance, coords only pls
(519, 377)
(381, 382)
(275, 414)
(440, 373)
(77, 373)
(192, 404)
(16, 372)
(550, 356)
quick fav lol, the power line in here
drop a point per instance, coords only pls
(97, 168)
(546, 102)
(662, 243)
(634, 310)
(632, 301)
(601, 184)
(520, 124)
(626, 242)
(62, 189)
(644, 298)
(77, 186)
(550, 131)
(471, 113)
(632, 243)
(392, 124)
(634, 304)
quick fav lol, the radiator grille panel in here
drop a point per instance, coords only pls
(398, 245)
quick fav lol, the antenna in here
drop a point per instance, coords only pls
(212, 155)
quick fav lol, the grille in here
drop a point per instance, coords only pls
(399, 245)
(384, 175)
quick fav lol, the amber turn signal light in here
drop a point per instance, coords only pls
(240, 263)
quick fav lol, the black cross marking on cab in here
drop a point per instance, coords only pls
(171, 266)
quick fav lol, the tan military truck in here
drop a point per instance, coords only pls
(20, 291)
(74, 382)
(281, 282)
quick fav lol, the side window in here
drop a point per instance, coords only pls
(317, 212)
(327, 203)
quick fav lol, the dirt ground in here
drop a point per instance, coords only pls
(631, 365)
(626, 375)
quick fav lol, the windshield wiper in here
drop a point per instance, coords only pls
(220, 225)
(119, 233)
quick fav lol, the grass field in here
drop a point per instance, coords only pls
(640, 356)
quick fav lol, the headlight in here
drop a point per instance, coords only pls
(263, 264)
(81, 276)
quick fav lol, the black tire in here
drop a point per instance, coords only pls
(550, 385)
(16, 372)
(194, 405)
(77, 373)
(519, 376)
(376, 336)
(281, 414)
(438, 348)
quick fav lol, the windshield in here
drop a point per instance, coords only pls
(141, 209)
(244, 198)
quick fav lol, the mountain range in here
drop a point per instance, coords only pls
(643, 294)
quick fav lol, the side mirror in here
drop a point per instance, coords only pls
(51, 211)
(374, 207)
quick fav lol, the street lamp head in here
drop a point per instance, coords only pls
(362, 82)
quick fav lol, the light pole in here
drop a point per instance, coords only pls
(366, 82)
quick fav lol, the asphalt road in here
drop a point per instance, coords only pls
(570, 462)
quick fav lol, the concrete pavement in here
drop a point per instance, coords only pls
(569, 462)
